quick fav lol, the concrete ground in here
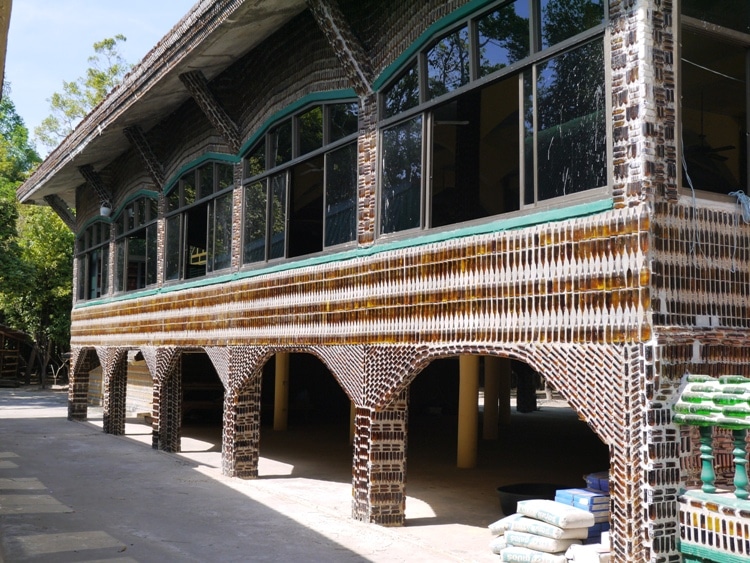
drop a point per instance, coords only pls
(69, 492)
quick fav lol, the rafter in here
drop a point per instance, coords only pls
(195, 82)
(137, 138)
(345, 44)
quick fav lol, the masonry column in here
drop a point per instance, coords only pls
(281, 393)
(115, 375)
(78, 387)
(379, 483)
(242, 429)
(167, 415)
(468, 412)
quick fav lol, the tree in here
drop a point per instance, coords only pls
(79, 97)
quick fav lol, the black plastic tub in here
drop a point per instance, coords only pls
(510, 494)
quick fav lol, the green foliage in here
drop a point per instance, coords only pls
(41, 305)
(79, 97)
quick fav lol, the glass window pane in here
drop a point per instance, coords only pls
(81, 293)
(205, 180)
(173, 198)
(734, 14)
(281, 143)
(225, 173)
(562, 19)
(448, 63)
(255, 223)
(503, 37)
(151, 260)
(529, 196)
(220, 233)
(187, 184)
(173, 248)
(136, 266)
(152, 208)
(105, 232)
(255, 162)
(120, 270)
(196, 235)
(714, 113)
(404, 94)
(343, 120)
(341, 195)
(311, 130)
(400, 202)
(129, 218)
(571, 134)
(140, 212)
(278, 217)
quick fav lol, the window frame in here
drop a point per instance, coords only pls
(272, 170)
(425, 106)
(86, 251)
(124, 234)
(180, 207)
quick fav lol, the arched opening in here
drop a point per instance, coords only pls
(546, 444)
(202, 406)
(315, 442)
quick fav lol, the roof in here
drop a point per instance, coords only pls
(5, 8)
(213, 35)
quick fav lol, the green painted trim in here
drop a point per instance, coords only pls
(293, 108)
(707, 554)
(512, 223)
(91, 221)
(208, 157)
(132, 197)
(435, 29)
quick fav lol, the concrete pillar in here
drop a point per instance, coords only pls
(496, 396)
(281, 393)
(379, 480)
(468, 411)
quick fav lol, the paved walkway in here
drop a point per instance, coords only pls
(69, 492)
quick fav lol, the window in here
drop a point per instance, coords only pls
(199, 222)
(93, 261)
(135, 245)
(715, 94)
(301, 184)
(455, 148)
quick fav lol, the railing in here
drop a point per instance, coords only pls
(715, 523)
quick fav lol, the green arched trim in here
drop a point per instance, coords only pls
(208, 157)
(87, 224)
(435, 29)
(293, 108)
(132, 197)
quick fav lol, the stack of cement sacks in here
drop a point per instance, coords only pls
(590, 500)
(540, 532)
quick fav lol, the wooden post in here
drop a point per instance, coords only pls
(468, 411)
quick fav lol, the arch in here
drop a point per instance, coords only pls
(114, 373)
(82, 361)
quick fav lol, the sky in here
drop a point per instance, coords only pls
(51, 40)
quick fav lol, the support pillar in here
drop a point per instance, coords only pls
(168, 408)
(468, 411)
(115, 375)
(281, 393)
(241, 445)
(78, 387)
(379, 482)
(496, 396)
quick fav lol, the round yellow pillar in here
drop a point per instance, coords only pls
(468, 411)
(281, 392)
